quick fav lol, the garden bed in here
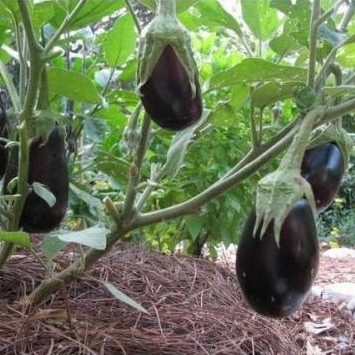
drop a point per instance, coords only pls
(194, 307)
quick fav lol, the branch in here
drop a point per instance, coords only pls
(136, 167)
(33, 45)
(313, 42)
(347, 16)
(135, 19)
(64, 26)
(254, 135)
(339, 110)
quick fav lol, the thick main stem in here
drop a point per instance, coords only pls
(167, 8)
(313, 43)
(136, 167)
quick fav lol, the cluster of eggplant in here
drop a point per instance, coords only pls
(48, 166)
(276, 279)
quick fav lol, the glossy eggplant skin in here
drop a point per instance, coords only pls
(47, 165)
(323, 167)
(276, 280)
(3, 134)
(167, 95)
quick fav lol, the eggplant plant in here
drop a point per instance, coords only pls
(170, 118)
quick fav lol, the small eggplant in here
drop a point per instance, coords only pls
(323, 167)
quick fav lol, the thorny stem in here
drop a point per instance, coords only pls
(64, 26)
(313, 43)
(261, 111)
(21, 45)
(136, 167)
(347, 16)
(135, 19)
(254, 134)
(167, 8)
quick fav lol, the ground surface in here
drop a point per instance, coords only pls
(194, 307)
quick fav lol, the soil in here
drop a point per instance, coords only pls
(194, 307)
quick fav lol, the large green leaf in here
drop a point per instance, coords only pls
(260, 18)
(299, 13)
(42, 12)
(285, 42)
(20, 238)
(271, 92)
(225, 113)
(211, 14)
(72, 85)
(178, 148)
(91, 12)
(254, 70)
(120, 41)
(94, 237)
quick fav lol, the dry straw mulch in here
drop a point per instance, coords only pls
(195, 307)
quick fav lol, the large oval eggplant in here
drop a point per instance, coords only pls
(167, 94)
(3, 134)
(47, 165)
(276, 279)
(323, 167)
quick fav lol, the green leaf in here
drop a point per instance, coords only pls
(94, 237)
(51, 246)
(42, 12)
(93, 203)
(120, 42)
(91, 12)
(260, 18)
(211, 14)
(225, 113)
(123, 297)
(254, 70)
(285, 42)
(178, 148)
(271, 92)
(194, 225)
(72, 85)
(346, 56)
(44, 193)
(20, 238)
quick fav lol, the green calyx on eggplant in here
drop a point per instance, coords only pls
(323, 167)
(276, 279)
(48, 166)
(167, 77)
(3, 134)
